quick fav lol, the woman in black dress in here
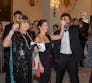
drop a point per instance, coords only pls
(45, 39)
(19, 38)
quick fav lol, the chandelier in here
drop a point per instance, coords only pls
(67, 5)
(55, 4)
(62, 5)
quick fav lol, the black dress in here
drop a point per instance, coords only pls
(45, 60)
(22, 67)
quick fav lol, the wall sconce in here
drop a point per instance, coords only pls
(33, 2)
(54, 4)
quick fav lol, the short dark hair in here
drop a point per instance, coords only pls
(65, 14)
(56, 26)
(80, 19)
(17, 12)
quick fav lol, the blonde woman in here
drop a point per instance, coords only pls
(20, 39)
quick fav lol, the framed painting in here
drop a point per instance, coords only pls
(6, 10)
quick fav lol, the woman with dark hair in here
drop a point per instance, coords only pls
(19, 38)
(44, 38)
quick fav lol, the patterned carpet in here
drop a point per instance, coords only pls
(84, 75)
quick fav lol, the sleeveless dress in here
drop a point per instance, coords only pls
(45, 60)
(89, 57)
(22, 59)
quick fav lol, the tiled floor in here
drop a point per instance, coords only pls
(84, 75)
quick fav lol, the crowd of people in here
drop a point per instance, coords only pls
(66, 47)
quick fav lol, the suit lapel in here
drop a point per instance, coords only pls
(70, 36)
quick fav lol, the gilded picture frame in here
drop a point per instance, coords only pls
(6, 10)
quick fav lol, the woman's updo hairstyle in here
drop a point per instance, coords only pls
(40, 22)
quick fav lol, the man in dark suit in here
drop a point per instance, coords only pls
(56, 43)
(69, 51)
(83, 21)
(17, 16)
(56, 31)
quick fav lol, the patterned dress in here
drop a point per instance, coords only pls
(89, 57)
(22, 59)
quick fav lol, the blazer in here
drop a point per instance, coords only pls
(56, 46)
(77, 51)
(76, 48)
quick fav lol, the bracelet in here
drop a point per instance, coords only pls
(11, 32)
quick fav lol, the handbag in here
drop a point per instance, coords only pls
(35, 64)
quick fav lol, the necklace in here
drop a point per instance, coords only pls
(44, 39)
(29, 46)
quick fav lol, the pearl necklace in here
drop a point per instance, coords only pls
(29, 47)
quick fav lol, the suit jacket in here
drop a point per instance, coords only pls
(7, 50)
(77, 51)
(76, 48)
(7, 29)
(56, 47)
(84, 30)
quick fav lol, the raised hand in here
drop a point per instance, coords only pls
(62, 22)
(15, 27)
(83, 15)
